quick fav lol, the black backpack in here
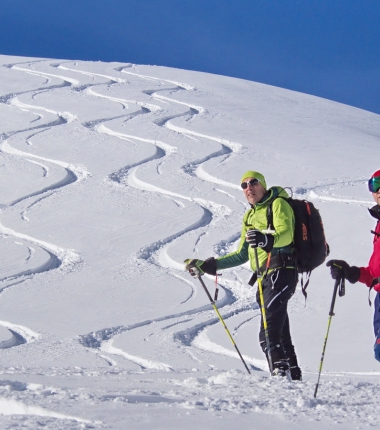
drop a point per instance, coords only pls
(310, 246)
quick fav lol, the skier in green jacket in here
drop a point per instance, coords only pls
(276, 260)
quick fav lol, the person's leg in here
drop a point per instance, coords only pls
(290, 353)
(376, 347)
(278, 287)
(376, 327)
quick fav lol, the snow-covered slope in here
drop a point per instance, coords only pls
(111, 175)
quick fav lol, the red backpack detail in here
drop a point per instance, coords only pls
(310, 246)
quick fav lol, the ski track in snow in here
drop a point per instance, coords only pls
(15, 406)
(233, 303)
(20, 335)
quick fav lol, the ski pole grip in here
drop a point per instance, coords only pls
(257, 263)
(336, 286)
(342, 288)
(253, 279)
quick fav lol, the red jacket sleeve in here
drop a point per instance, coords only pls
(367, 278)
(367, 274)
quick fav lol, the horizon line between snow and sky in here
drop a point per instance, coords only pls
(326, 49)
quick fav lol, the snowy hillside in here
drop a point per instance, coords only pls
(111, 176)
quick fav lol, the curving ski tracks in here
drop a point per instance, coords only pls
(233, 301)
(57, 257)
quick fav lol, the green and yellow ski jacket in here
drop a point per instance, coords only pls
(256, 218)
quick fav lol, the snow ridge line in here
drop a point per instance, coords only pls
(48, 76)
(142, 362)
(120, 176)
(313, 191)
(66, 117)
(101, 128)
(152, 78)
(112, 79)
(124, 102)
(20, 335)
(53, 262)
(201, 341)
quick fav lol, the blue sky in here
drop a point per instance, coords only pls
(329, 48)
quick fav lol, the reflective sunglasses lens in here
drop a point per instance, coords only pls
(252, 182)
(374, 184)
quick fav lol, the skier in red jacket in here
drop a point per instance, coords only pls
(369, 275)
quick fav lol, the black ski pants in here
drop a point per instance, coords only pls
(278, 288)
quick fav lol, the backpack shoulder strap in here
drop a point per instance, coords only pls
(270, 211)
(270, 216)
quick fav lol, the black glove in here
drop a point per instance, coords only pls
(256, 239)
(208, 266)
(340, 269)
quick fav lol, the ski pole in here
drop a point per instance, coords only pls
(263, 313)
(339, 283)
(196, 273)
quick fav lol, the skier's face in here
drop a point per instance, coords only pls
(376, 196)
(253, 193)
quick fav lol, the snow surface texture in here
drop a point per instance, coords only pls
(111, 176)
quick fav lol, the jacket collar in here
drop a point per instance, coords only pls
(375, 212)
(266, 197)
